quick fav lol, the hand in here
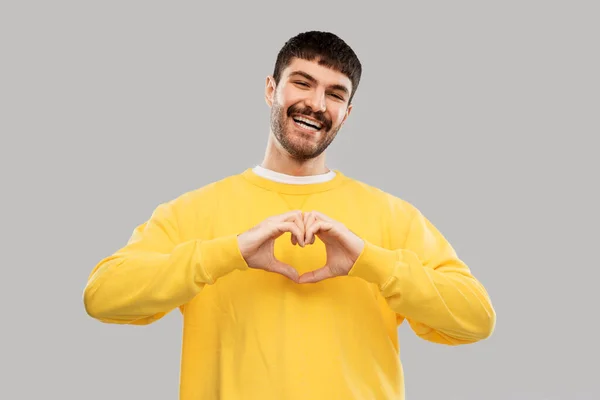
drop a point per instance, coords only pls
(342, 246)
(257, 244)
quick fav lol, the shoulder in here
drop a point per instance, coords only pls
(208, 194)
(394, 204)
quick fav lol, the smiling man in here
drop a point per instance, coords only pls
(293, 278)
(306, 112)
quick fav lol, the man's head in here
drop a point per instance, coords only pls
(316, 75)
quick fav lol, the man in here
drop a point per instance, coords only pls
(292, 278)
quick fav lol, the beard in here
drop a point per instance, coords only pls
(297, 143)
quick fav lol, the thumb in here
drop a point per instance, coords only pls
(285, 270)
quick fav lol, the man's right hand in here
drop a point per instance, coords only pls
(258, 243)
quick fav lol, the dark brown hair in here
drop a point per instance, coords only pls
(329, 49)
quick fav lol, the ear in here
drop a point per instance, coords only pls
(270, 87)
(348, 111)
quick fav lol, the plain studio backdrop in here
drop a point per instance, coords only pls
(484, 115)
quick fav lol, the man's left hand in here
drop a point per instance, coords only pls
(342, 246)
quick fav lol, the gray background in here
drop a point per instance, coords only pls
(484, 115)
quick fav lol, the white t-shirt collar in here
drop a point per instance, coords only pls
(291, 179)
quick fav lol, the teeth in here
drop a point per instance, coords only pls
(309, 121)
(310, 128)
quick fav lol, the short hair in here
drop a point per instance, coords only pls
(329, 49)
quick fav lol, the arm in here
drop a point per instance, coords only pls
(155, 272)
(425, 282)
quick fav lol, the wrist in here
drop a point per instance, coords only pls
(374, 264)
(220, 256)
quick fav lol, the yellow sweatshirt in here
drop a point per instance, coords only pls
(251, 334)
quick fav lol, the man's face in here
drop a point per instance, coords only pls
(308, 94)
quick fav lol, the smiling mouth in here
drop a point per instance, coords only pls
(307, 124)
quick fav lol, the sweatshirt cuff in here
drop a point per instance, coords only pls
(218, 257)
(375, 264)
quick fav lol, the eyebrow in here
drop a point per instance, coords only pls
(313, 80)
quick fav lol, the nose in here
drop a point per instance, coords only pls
(316, 101)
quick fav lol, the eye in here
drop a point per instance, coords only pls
(301, 83)
(337, 96)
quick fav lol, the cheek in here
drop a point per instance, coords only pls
(339, 115)
(287, 98)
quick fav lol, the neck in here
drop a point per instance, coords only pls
(278, 160)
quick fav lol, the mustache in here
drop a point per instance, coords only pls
(309, 113)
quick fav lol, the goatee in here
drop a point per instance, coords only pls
(305, 150)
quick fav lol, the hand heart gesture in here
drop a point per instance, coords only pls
(258, 243)
(342, 246)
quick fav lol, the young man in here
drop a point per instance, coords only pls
(296, 291)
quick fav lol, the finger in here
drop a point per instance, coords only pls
(285, 270)
(305, 217)
(293, 237)
(316, 275)
(323, 217)
(296, 217)
(289, 216)
(318, 227)
(298, 221)
(291, 227)
(311, 218)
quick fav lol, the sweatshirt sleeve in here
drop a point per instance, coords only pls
(426, 283)
(155, 272)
